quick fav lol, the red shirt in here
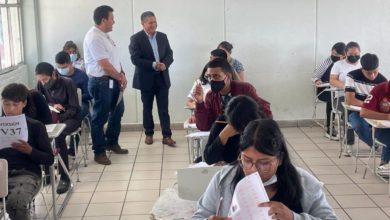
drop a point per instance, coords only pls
(207, 112)
(379, 98)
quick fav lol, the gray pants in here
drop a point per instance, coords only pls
(350, 134)
(22, 188)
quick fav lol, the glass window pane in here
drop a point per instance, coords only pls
(5, 49)
(16, 36)
(12, 1)
(2, 1)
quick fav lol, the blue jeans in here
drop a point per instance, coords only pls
(361, 127)
(105, 109)
(383, 135)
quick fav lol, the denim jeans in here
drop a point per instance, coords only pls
(361, 127)
(105, 109)
(383, 135)
(23, 186)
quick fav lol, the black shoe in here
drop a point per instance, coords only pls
(46, 180)
(198, 159)
(63, 185)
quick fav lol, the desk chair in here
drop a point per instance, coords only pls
(316, 101)
(197, 140)
(3, 187)
(335, 114)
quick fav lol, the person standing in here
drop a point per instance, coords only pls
(106, 82)
(152, 55)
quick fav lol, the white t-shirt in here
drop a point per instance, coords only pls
(341, 68)
(98, 46)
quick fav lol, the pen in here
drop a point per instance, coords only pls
(219, 206)
(221, 122)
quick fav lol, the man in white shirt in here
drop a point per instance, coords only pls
(338, 75)
(106, 81)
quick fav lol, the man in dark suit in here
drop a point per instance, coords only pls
(152, 55)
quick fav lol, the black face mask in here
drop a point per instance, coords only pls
(217, 86)
(49, 84)
(334, 58)
(353, 58)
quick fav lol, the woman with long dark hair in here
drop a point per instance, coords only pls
(294, 193)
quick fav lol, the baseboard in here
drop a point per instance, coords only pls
(179, 126)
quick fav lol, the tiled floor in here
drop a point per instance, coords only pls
(128, 188)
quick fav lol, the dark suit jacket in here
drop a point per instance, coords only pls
(142, 57)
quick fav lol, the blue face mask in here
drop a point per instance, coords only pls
(63, 71)
(73, 57)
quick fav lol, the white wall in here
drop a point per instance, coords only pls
(279, 42)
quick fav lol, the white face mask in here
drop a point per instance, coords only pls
(271, 180)
(63, 71)
(73, 57)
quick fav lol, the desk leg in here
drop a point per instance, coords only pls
(69, 193)
(372, 152)
(53, 192)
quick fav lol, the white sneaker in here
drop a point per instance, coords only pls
(383, 167)
(347, 150)
(383, 170)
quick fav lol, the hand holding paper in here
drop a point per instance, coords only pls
(22, 146)
(12, 130)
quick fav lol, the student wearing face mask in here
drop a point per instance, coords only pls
(60, 93)
(223, 88)
(321, 75)
(224, 138)
(338, 75)
(77, 61)
(294, 193)
(79, 78)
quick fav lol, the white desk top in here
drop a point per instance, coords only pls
(378, 123)
(352, 107)
(323, 85)
(55, 131)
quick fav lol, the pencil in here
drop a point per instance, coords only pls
(221, 122)
(219, 206)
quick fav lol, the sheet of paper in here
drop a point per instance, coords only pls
(53, 109)
(12, 128)
(249, 192)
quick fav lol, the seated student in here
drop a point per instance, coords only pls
(224, 138)
(321, 75)
(79, 77)
(377, 106)
(24, 158)
(77, 61)
(294, 193)
(60, 92)
(358, 85)
(223, 88)
(238, 68)
(337, 79)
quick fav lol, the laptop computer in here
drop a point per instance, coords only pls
(192, 182)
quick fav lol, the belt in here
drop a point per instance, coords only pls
(103, 78)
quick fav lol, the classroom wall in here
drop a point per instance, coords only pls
(279, 42)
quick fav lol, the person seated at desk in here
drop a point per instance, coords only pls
(223, 142)
(337, 79)
(377, 106)
(60, 92)
(79, 77)
(321, 75)
(24, 158)
(217, 53)
(358, 85)
(77, 61)
(237, 67)
(294, 193)
(223, 88)
(37, 107)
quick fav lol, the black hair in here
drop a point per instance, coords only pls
(146, 14)
(265, 136)
(221, 63)
(369, 61)
(202, 76)
(339, 47)
(352, 44)
(219, 53)
(44, 68)
(101, 12)
(241, 110)
(226, 45)
(15, 92)
(62, 57)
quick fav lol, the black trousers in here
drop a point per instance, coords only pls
(326, 97)
(161, 92)
(71, 126)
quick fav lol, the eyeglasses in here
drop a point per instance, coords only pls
(261, 166)
(215, 77)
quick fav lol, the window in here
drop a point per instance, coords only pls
(10, 34)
